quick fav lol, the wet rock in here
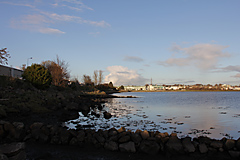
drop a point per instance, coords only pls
(174, 145)
(187, 145)
(107, 115)
(145, 134)
(229, 144)
(124, 139)
(234, 154)
(3, 157)
(112, 146)
(127, 147)
(205, 140)
(149, 147)
(216, 144)
(203, 148)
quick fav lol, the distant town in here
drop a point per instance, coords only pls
(175, 87)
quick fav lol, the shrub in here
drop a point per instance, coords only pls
(38, 75)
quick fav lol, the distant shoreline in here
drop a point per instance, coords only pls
(180, 91)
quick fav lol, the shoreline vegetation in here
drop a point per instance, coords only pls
(35, 116)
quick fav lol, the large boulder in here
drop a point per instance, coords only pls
(149, 147)
(112, 146)
(107, 115)
(174, 145)
(203, 148)
(187, 145)
(136, 138)
(124, 139)
(216, 144)
(127, 147)
(229, 144)
(145, 134)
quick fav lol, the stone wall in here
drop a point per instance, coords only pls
(113, 140)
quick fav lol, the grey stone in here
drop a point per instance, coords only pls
(234, 154)
(144, 134)
(149, 147)
(73, 141)
(124, 139)
(112, 146)
(127, 147)
(238, 144)
(203, 148)
(12, 149)
(99, 138)
(187, 145)
(136, 138)
(81, 136)
(3, 157)
(174, 145)
(216, 144)
(229, 144)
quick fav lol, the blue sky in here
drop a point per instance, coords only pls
(132, 41)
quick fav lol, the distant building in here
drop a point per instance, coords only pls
(134, 88)
(11, 72)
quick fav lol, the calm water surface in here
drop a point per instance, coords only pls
(212, 114)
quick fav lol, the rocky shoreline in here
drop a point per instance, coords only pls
(14, 137)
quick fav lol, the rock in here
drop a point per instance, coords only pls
(12, 149)
(124, 139)
(36, 125)
(99, 138)
(145, 134)
(136, 138)
(3, 157)
(10, 130)
(3, 113)
(112, 146)
(187, 145)
(229, 144)
(238, 144)
(107, 115)
(81, 136)
(234, 154)
(149, 147)
(105, 133)
(205, 140)
(73, 141)
(203, 148)
(174, 146)
(127, 147)
(2, 132)
(216, 144)
(122, 129)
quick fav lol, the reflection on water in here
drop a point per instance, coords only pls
(212, 114)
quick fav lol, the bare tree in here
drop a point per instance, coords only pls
(95, 77)
(4, 55)
(58, 70)
(87, 80)
(100, 79)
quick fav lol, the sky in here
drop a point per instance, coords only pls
(131, 41)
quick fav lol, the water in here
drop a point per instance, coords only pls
(212, 114)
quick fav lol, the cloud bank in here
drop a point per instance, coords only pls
(203, 56)
(231, 68)
(120, 75)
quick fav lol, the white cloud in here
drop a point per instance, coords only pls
(132, 59)
(120, 75)
(231, 68)
(35, 23)
(203, 56)
(41, 21)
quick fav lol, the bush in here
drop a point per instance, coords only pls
(38, 75)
